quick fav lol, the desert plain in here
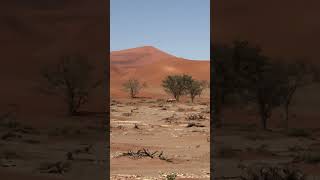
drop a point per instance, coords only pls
(150, 137)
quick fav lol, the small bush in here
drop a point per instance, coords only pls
(133, 86)
(195, 117)
(171, 176)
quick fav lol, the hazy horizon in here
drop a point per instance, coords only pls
(180, 29)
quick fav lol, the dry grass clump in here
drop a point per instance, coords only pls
(195, 116)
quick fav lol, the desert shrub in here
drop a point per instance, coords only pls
(133, 86)
(298, 133)
(176, 85)
(71, 79)
(171, 176)
(195, 116)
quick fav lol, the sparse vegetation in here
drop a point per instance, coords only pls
(195, 88)
(243, 71)
(171, 176)
(133, 86)
(179, 85)
(195, 116)
(176, 85)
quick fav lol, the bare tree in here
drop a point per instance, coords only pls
(260, 80)
(71, 78)
(296, 76)
(133, 86)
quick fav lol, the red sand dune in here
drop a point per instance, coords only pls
(151, 65)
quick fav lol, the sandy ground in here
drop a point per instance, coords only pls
(27, 152)
(155, 125)
(236, 148)
(241, 142)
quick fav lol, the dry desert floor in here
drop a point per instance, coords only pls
(151, 139)
(74, 149)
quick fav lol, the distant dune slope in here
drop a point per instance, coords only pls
(151, 65)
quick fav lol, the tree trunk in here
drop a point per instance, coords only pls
(287, 115)
(177, 97)
(263, 115)
(71, 105)
(131, 93)
(264, 122)
(71, 108)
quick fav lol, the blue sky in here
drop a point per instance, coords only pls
(178, 27)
